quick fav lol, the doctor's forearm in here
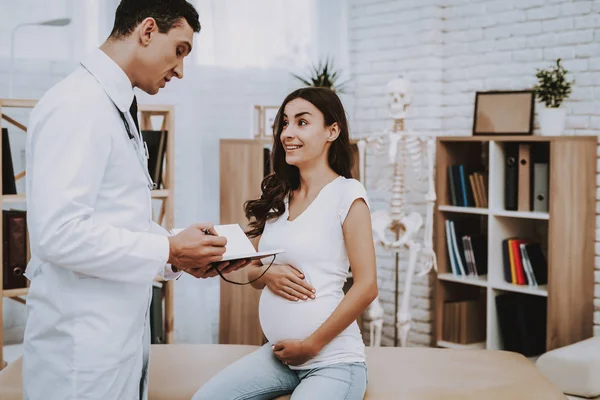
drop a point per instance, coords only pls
(102, 251)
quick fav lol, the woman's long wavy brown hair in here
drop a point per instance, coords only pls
(285, 178)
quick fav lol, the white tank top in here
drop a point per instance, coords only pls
(314, 244)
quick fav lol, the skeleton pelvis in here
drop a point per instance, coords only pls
(405, 228)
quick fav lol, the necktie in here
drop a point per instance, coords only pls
(133, 110)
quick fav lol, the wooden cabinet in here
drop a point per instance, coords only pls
(242, 169)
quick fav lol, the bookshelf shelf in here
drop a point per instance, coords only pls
(15, 292)
(558, 230)
(541, 290)
(464, 210)
(14, 198)
(472, 346)
(521, 214)
(161, 193)
(467, 280)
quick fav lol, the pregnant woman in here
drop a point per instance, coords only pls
(311, 207)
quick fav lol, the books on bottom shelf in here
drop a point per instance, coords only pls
(522, 323)
(524, 262)
(467, 249)
(464, 321)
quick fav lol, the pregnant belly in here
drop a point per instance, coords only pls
(282, 319)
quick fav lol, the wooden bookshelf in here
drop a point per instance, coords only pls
(566, 232)
(164, 194)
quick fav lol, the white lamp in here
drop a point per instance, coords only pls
(50, 22)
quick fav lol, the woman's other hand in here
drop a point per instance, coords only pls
(295, 352)
(287, 282)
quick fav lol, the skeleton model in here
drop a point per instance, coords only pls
(405, 153)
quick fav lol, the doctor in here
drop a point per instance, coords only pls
(95, 250)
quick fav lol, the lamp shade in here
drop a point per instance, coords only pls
(55, 22)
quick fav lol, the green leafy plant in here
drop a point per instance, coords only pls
(553, 87)
(323, 75)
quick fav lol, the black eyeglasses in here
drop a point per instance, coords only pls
(253, 280)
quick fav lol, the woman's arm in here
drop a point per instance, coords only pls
(361, 253)
(282, 280)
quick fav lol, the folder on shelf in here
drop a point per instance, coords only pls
(9, 185)
(540, 187)
(522, 323)
(511, 171)
(157, 147)
(14, 241)
(524, 191)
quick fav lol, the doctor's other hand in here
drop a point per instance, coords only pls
(196, 248)
(287, 282)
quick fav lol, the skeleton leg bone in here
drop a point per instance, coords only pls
(404, 313)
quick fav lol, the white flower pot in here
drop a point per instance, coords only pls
(552, 121)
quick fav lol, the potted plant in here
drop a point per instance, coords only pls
(323, 75)
(552, 89)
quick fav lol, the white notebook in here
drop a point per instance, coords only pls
(238, 245)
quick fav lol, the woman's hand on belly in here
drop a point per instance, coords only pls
(295, 352)
(286, 281)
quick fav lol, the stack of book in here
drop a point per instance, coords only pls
(464, 321)
(522, 323)
(467, 189)
(467, 249)
(524, 262)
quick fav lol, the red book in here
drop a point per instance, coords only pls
(516, 251)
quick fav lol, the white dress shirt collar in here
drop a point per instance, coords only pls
(111, 77)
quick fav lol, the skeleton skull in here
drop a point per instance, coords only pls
(399, 97)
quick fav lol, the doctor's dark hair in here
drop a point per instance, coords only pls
(166, 13)
(285, 178)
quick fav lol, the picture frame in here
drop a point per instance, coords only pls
(257, 126)
(504, 113)
(269, 116)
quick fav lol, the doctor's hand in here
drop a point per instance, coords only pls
(287, 282)
(196, 249)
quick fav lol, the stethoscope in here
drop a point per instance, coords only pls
(141, 149)
(137, 141)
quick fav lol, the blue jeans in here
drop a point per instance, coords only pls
(261, 376)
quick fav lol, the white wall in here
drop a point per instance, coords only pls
(452, 48)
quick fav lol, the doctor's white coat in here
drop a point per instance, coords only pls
(94, 247)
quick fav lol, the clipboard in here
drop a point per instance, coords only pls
(238, 245)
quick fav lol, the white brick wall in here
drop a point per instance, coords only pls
(388, 38)
(452, 48)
